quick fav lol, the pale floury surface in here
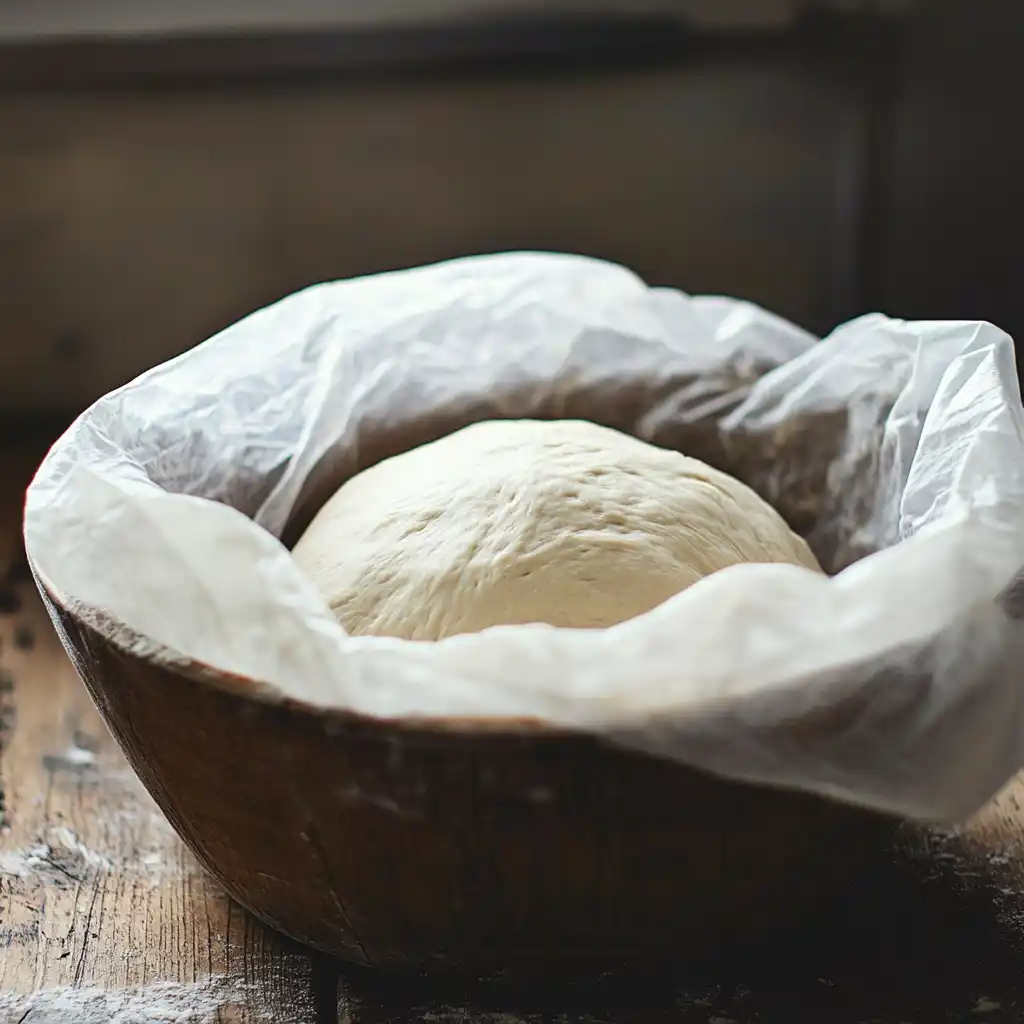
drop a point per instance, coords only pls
(518, 521)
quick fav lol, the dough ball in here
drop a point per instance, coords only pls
(515, 521)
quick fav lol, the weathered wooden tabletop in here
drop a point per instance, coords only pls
(104, 916)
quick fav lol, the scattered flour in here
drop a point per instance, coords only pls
(23, 863)
(164, 1003)
(79, 756)
(985, 1005)
(60, 844)
(65, 839)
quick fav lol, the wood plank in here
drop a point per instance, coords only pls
(133, 18)
(511, 44)
(104, 916)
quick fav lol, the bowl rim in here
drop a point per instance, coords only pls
(129, 643)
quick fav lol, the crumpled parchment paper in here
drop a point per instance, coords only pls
(897, 448)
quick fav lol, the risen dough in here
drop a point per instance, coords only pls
(518, 521)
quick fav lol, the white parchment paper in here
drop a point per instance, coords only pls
(897, 448)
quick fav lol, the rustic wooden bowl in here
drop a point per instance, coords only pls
(474, 845)
(483, 845)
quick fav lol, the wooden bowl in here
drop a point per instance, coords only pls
(474, 845)
(487, 846)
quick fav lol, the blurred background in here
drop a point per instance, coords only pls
(167, 168)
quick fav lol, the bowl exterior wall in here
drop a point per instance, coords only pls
(405, 845)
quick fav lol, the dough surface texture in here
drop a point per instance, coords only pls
(518, 521)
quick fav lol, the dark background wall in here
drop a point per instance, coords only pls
(150, 195)
(955, 213)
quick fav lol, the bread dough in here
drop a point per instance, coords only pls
(515, 521)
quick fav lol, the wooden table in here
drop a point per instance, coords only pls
(104, 916)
